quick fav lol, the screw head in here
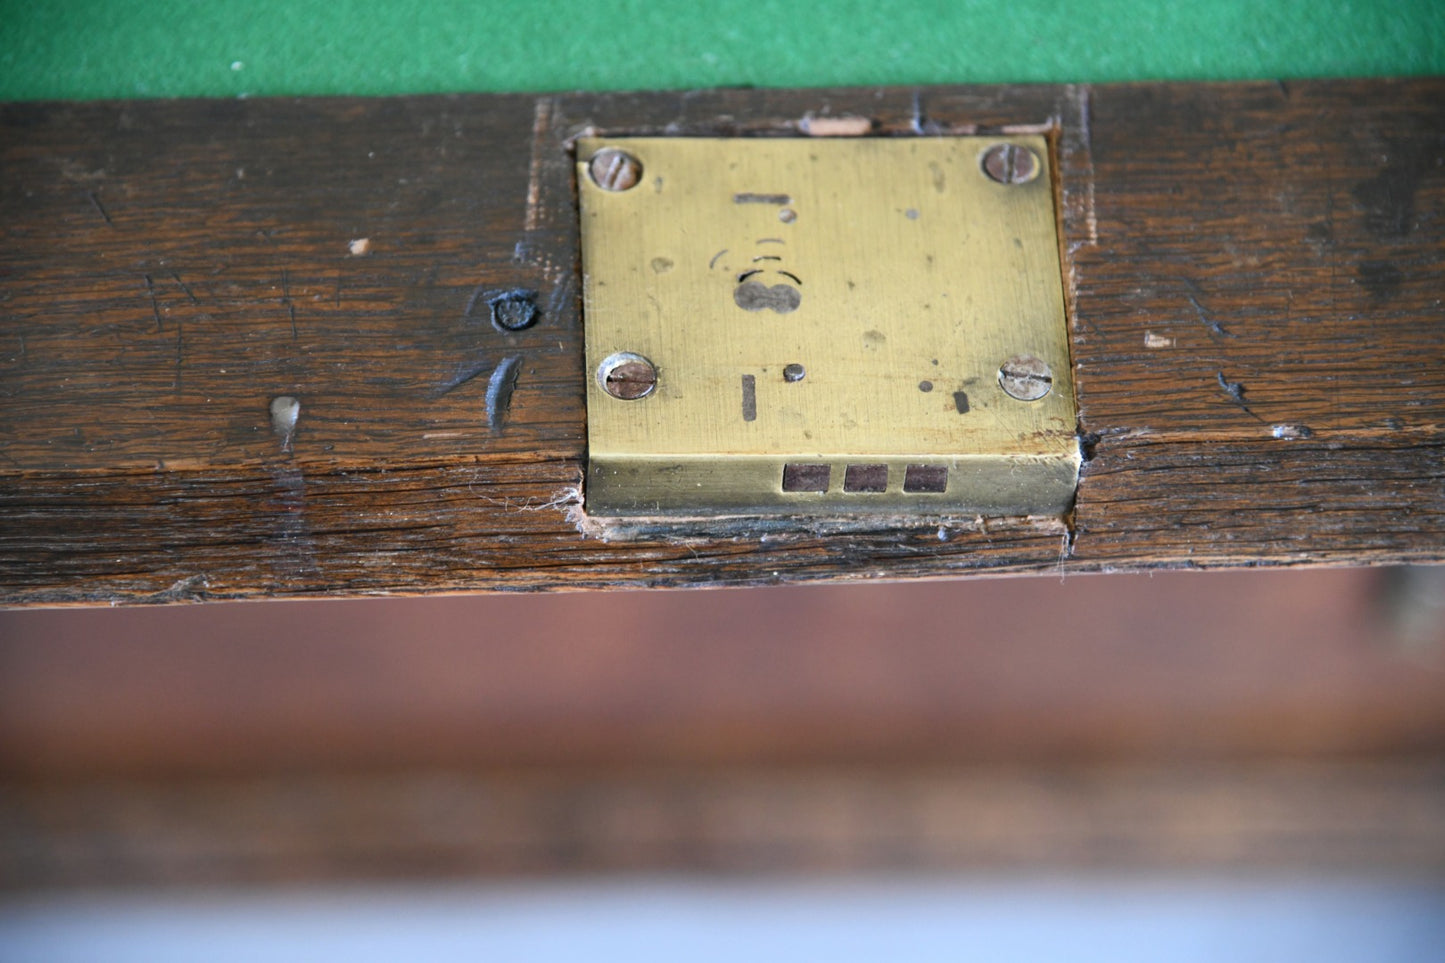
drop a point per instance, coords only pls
(1010, 164)
(627, 376)
(794, 372)
(1025, 378)
(514, 310)
(614, 170)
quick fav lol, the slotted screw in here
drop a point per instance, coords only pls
(1010, 164)
(614, 170)
(627, 376)
(1025, 378)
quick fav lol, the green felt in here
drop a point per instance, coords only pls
(161, 48)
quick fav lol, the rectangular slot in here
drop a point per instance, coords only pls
(866, 478)
(925, 478)
(806, 478)
(750, 398)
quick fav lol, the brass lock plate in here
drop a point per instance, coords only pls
(824, 327)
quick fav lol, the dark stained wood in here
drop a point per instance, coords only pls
(1253, 271)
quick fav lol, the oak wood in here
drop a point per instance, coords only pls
(1253, 273)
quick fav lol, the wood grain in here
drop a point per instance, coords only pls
(1253, 274)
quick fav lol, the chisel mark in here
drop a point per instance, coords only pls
(499, 390)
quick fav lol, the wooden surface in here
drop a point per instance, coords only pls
(1180, 665)
(1280, 721)
(1336, 819)
(1253, 273)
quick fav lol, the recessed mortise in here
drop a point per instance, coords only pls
(925, 478)
(627, 376)
(866, 478)
(750, 397)
(806, 478)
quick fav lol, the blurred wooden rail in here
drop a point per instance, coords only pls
(1254, 274)
(1269, 721)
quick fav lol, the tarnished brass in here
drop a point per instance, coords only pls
(830, 323)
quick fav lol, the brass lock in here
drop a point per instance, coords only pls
(824, 327)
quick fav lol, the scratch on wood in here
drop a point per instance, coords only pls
(100, 208)
(287, 507)
(286, 300)
(1236, 391)
(919, 122)
(499, 390)
(176, 382)
(541, 120)
(1204, 317)
(477, 295)
(292, 528)
(186, 288)
(559, 279)
(191, 587)
(461, 377)
(155, 307)
(1083, 105)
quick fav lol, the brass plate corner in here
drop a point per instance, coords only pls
(824, 327)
